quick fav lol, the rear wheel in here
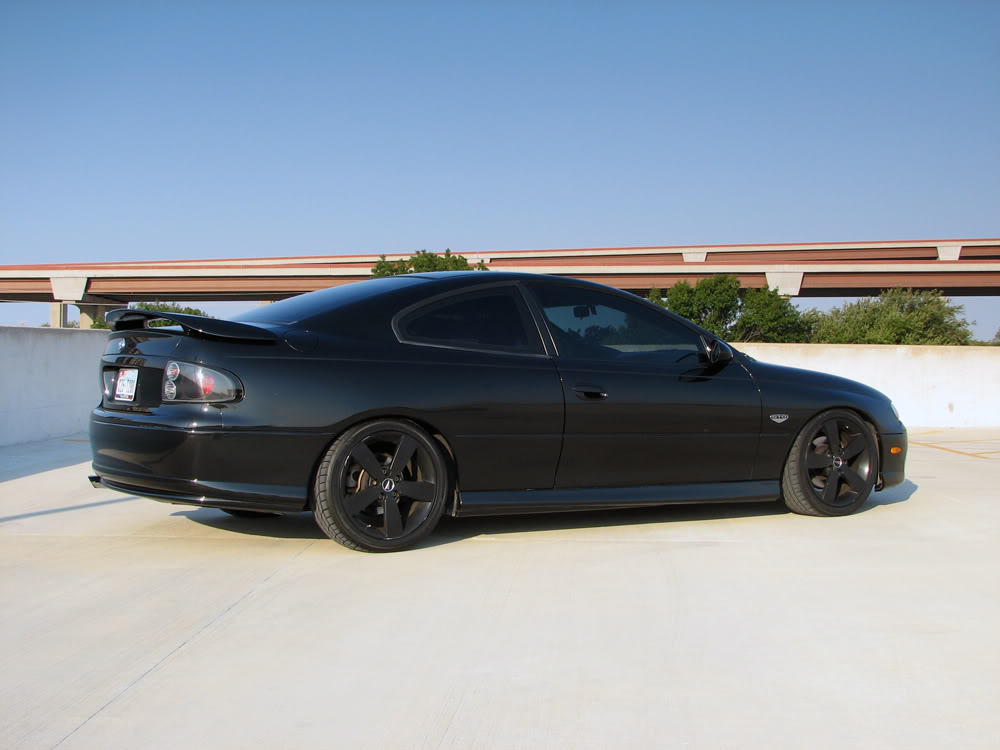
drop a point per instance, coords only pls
(381, 486)
(832, 466)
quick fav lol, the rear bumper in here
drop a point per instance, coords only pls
(892, 465)
(211, 467)
(180, 498)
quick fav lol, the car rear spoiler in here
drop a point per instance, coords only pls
(129, 318)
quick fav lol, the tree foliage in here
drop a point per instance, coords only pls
(714, 303)
(898, 316)
(766, 315)
(424, 262)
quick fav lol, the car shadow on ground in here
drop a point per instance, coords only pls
(303, 526)
(898, 494)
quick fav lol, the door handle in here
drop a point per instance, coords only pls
(589, 392)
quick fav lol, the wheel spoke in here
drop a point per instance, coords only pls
(364, 456)
(818, 461)
(854, 446)
(853, 478)
(422, 491)
(393, 521)
(832, 486)
(832, 433)
(404, 452)
(356, 502)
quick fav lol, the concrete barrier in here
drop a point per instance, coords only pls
(931, 386)
(49, 381)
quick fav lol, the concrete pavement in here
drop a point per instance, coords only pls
(127, 623)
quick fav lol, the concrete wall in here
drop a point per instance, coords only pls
(49, 381)
(931, 386)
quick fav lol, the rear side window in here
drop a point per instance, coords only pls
(492, 319)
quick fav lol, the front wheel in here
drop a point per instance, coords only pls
(832, 466)
(381, 486)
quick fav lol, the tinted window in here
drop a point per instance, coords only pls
(494, 319)
(589, 324)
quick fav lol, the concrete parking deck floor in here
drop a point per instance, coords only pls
(131, 624)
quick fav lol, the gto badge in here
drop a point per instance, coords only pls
(779, 418)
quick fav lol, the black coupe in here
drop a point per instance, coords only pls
(382, 404)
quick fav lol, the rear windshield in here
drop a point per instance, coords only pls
(294, 309)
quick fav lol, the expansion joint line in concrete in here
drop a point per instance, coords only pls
(184, 643)
(950, 450)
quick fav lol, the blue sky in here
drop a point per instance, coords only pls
(213, 129)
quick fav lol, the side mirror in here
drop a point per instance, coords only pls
(717, 351)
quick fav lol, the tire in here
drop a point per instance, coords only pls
(382, 486)
(249, 513)
(836, 446)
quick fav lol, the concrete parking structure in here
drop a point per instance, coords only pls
(129, 623)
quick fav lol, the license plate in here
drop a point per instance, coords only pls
(125, 387)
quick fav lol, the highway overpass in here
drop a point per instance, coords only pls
(955, 266)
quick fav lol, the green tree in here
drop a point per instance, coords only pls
(714, 303)
(766, 315)
(424, 262)
(656, 297)
(681, 300)
(996, 338)
(898, 316)
(167, 307)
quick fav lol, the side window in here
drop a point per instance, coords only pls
(589, 324)
(495, 319)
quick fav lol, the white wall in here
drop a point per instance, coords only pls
(931, 386)
(49, 381)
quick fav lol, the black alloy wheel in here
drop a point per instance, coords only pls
(832, 466)
(382, 486)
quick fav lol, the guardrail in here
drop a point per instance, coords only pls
(931, 386)
(49, 381)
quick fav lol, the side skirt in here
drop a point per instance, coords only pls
(604, 498)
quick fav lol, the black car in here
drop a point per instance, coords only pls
(382, 404)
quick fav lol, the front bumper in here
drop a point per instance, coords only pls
(892, 465)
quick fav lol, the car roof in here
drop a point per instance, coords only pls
(476, 276)
(479, 277)
(403, 288)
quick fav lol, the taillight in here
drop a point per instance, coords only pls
(185, 382)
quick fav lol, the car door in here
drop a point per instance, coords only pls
(644, 406)
(478, 369)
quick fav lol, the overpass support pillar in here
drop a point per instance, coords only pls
(949, 252)
(787, 283)
(90, 314)
(57, 315)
